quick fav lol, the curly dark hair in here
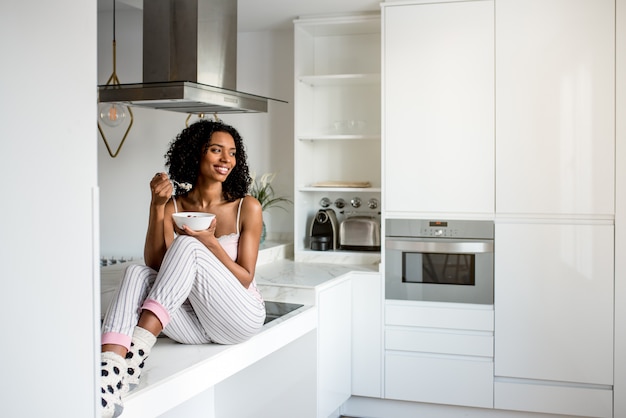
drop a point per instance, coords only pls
(189, 147)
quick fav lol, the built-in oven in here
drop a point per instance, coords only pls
(439, 261)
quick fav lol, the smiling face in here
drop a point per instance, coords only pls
(220, 157)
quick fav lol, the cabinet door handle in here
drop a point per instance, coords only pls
(437, 247)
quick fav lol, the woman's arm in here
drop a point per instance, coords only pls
(156, 243)
(249, 239)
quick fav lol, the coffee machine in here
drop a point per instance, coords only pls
(324, 230)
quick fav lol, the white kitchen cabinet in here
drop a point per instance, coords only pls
(554, 316)
(439, 379)
(367, 339)
(334, 348)
(555, 181)
(555, 112)
(439, 353)
(348, 301)
(541, 397)
(281, 385)
(337, 118)
(438, 111)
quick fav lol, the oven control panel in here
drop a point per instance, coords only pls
(438, 229)
(421, 228)
(439, 232)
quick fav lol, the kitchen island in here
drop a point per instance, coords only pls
(283, 360)
(187, 378)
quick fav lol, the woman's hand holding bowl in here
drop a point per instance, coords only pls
(195, 224)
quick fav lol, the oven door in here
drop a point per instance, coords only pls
(439, 270)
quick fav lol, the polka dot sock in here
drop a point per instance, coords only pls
(112, 384)
(140, 346)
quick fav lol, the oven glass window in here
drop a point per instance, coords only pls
(458, 269)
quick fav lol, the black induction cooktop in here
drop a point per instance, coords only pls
(275, 310)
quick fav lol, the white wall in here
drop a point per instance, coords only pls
(265, 67)
(48, 103)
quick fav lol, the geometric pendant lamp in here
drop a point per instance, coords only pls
(113, 114)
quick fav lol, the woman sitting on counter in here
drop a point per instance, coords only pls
(197, 287)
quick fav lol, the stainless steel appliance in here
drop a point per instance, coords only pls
(324, 230)
(441, 261)
(359, 233)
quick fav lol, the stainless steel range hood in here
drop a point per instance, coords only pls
(189, 60)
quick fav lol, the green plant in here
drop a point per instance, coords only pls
(263, 191)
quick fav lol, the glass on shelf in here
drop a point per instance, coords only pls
(349, 127)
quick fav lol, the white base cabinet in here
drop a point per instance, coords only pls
(439, 353)
(439, 379)
(349, 341)
(536, 396)
(334, 348)
(282, 385)
(367, 334)
(554, 318)
(554, 302)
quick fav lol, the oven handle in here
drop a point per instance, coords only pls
(443, 247)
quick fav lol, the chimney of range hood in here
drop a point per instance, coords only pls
(190, 40)
(189, 60)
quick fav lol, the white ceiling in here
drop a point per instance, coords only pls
(258, 15)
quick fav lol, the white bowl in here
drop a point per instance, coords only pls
(196, 221)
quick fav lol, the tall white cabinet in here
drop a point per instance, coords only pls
(555, 177)
(438, 80)
(337, 120)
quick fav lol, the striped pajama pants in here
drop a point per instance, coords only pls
(197, 299)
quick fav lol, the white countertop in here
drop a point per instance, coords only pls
(304, 275)
(275, 267)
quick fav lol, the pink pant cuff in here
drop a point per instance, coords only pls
(157, 309)
(116, 338)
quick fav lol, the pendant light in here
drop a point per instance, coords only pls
(114, 114)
